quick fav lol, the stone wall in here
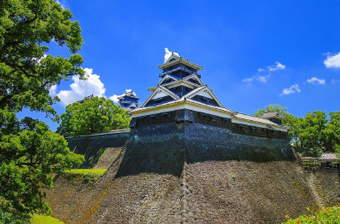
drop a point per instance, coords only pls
(95, 145)
(142, 186)
(233, 178)
(325, 185)
(188, 173)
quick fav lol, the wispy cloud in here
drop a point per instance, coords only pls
(81, 88)
(168, 54)
(292, 89)
(260, 78)
(332, 61)
(316, 81)
(277, 66)
(334, 81)
(263, 74)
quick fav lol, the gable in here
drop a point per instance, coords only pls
(181, 82)
(159, 94)
(159, 101)
(167, 79)
(173, 57)
(194, 79)
(205, 95)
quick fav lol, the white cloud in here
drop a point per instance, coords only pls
(316, 81)
(248, 79)
(334, 81)
(277, 66)
(292, 89)
(114, 98)
(268, 70)
(263, 78)
(257, 78)
(53, 90)
(168, 54)
(332, 61)
(82, 88)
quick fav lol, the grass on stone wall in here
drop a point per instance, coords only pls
(329, 215)
(90, 175)
(87, 171)
(41, 219)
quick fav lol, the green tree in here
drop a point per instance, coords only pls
(92, 116)
(29, 151)
(332, 132)
(28, 158)
(312, 132)
(25, 27)
(272, 108)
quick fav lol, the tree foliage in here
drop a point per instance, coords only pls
(272, 108)
(92, 116)
(29, 151)
(314, 133)
(25, 27)
(28, 158)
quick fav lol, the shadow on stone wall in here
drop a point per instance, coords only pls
(154, 149)
(93, 146)
(206, 143)
(163, 149)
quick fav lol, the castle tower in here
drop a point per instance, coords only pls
(128, 100)
(181, 97)
(180, 81)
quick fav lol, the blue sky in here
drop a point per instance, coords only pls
(253, 53)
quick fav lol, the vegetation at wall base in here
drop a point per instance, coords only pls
(41, 219)
(87, 171)
(89, 175)
(329, 215)
(29, 152)
(312, 164)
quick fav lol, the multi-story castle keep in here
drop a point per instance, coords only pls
(181, 97)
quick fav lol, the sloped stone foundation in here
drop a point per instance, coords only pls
(190, 173)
